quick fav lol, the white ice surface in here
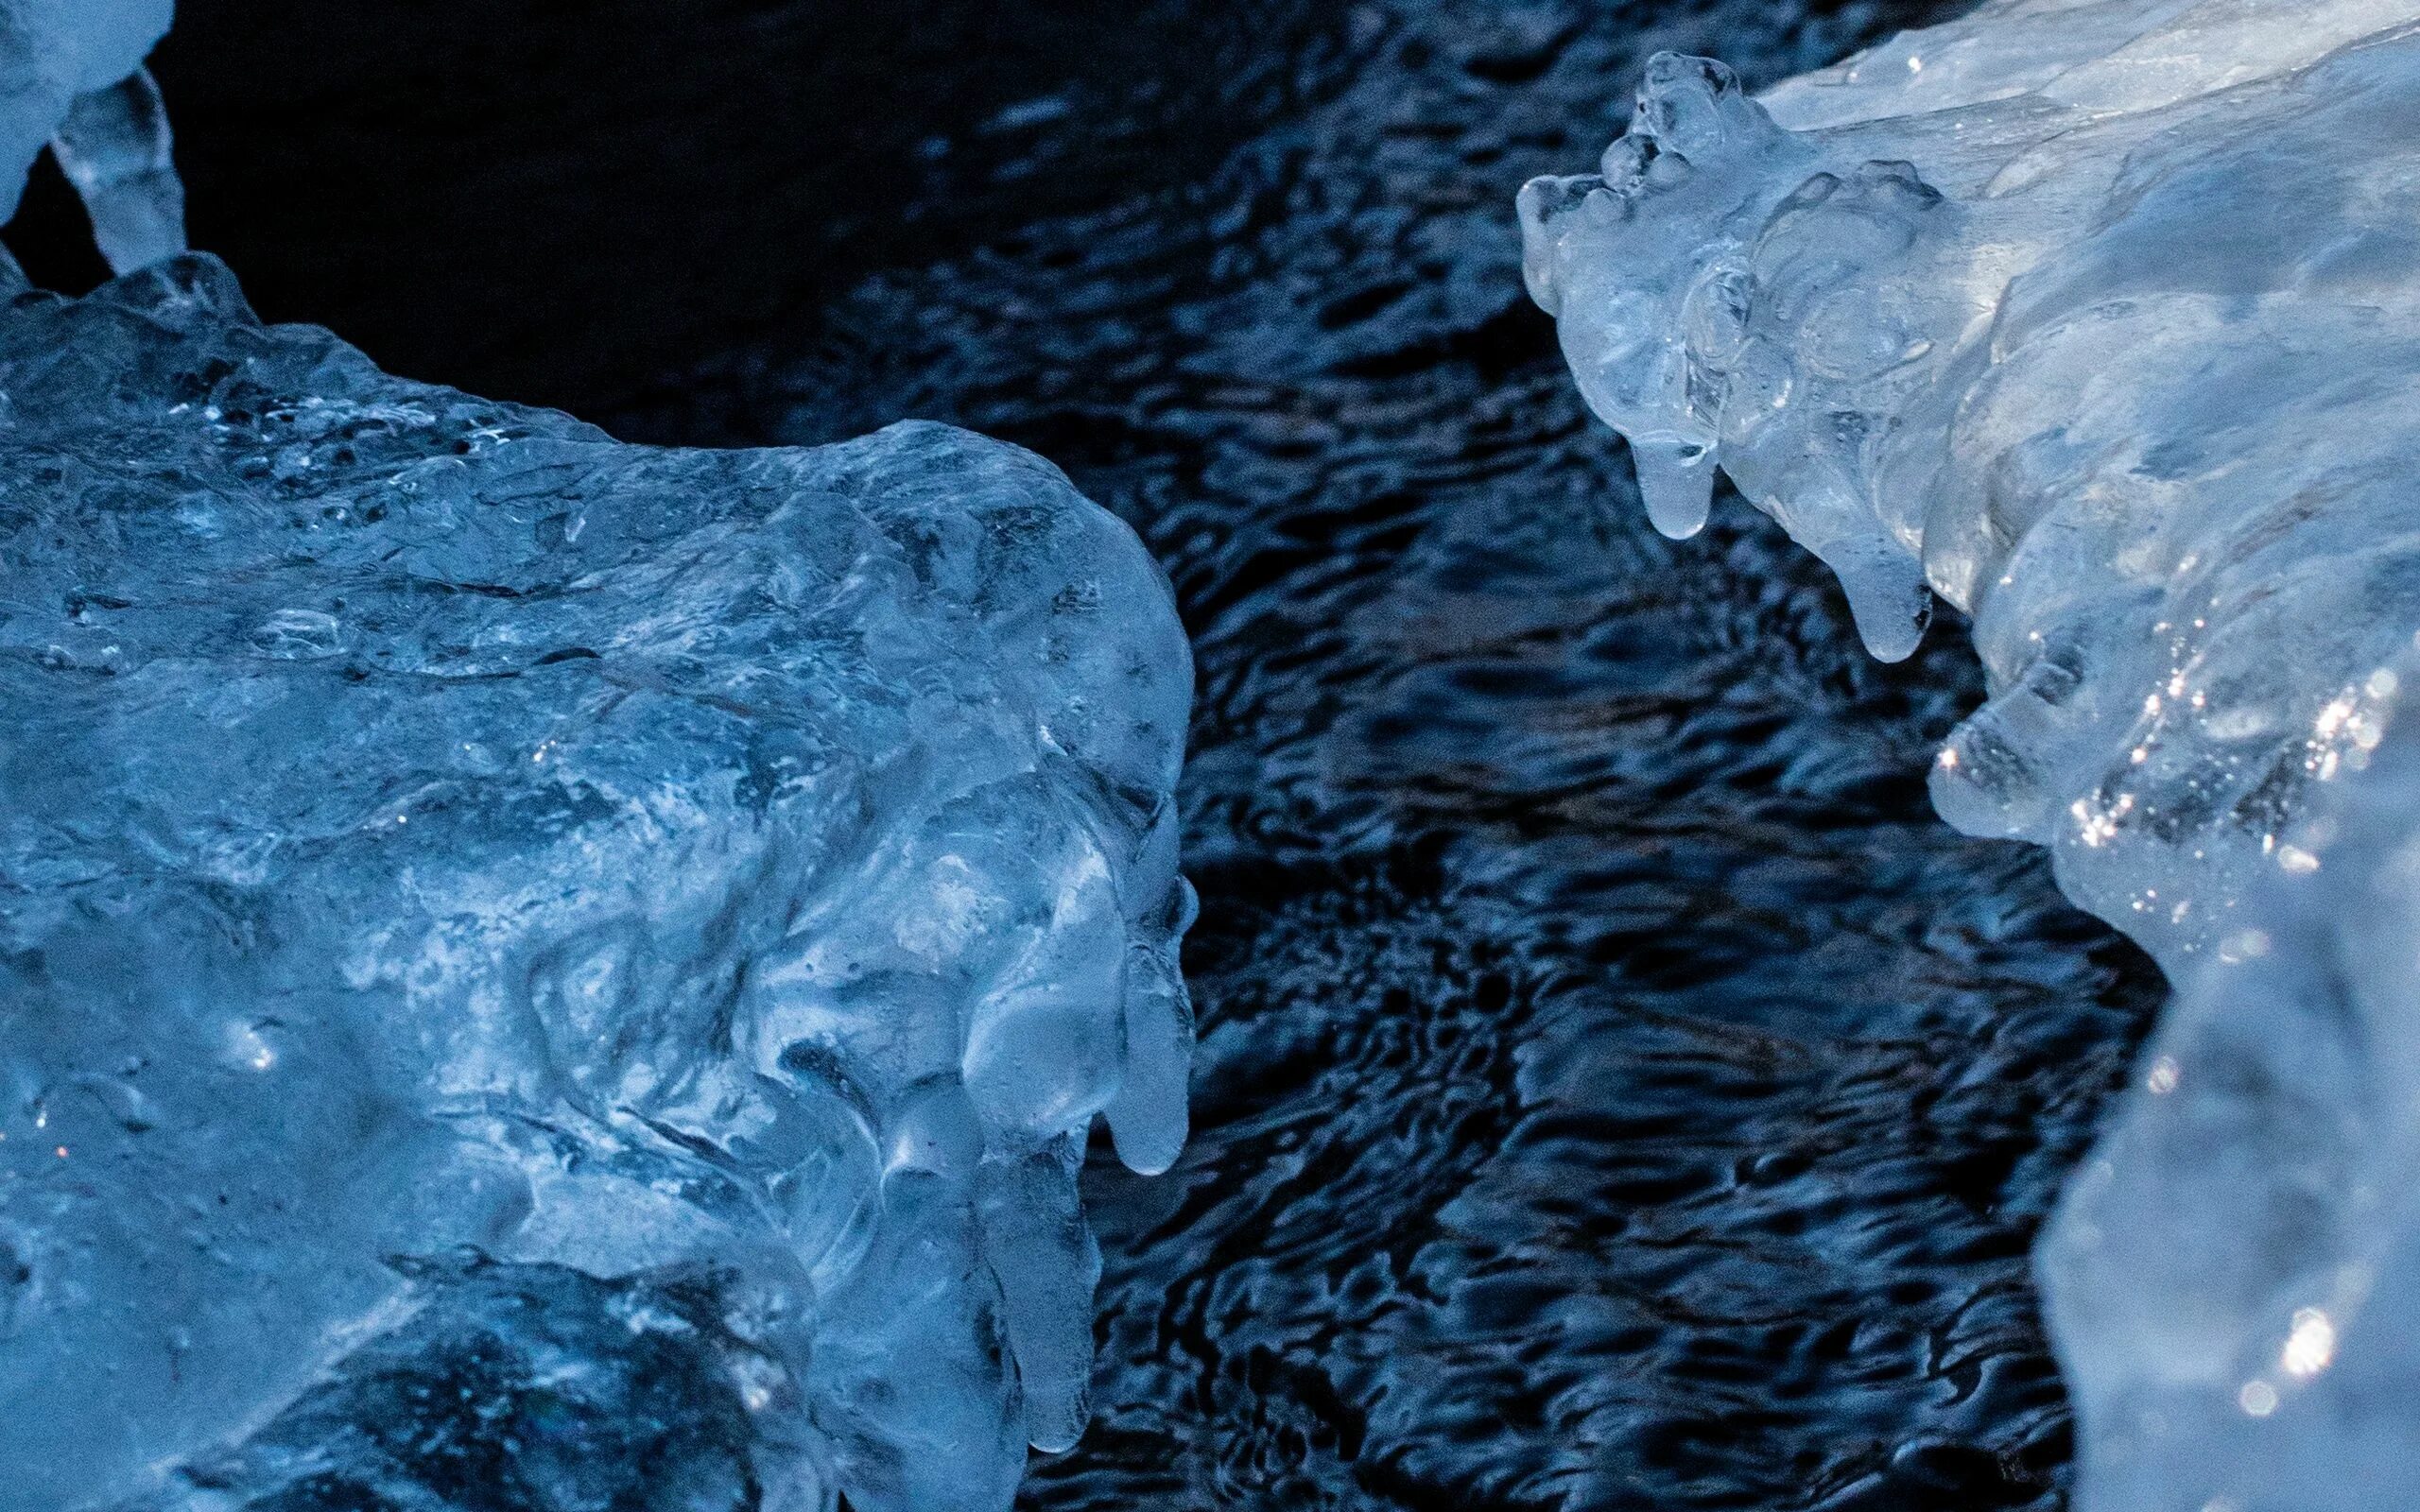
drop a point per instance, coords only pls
(2101, 319)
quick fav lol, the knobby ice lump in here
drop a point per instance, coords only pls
(465, 878)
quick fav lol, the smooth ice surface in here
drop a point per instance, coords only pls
(468, 880)
(2101, 320)
(71, 77)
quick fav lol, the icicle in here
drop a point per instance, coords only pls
(1676, 478)
(114, 148)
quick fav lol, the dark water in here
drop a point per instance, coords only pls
(1617, 1090)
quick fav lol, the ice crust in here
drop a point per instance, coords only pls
(447, 853)
(72, 79)
(2101, 319)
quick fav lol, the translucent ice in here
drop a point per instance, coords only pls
(2233, 1279)
(2101, 319)
(452, 862)
(71, 76)
(114, 148)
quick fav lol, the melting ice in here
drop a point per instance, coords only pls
(72, 77)
(470, 884)
(2101, 319)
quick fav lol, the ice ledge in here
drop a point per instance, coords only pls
(2232, 1277)
(2128, 383)
(2101, 320)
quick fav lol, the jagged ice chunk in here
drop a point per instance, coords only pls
(431, 829)
(2101, 319)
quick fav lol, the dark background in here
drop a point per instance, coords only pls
(1617, 1089)
(558, 202)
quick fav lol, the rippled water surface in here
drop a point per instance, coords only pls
(1616, 1089)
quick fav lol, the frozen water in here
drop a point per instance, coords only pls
(71, 76)
(2233, 1279)
(467, 879)
(2097, 320)
(2102, 321)
(114, 148)
(52, 51)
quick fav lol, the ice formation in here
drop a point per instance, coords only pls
(2234, 1276)
(447, 853)
(72, 77)
(2105, 342)
(2101, 319)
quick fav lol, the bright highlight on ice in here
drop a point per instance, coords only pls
(2101, 319)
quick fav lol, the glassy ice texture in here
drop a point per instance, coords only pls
(114, 148)
(651, 928)
(2101, 320)
(71, 76)
(2233, 1279)
(2097, 320)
